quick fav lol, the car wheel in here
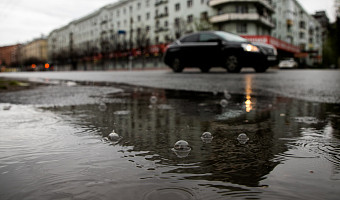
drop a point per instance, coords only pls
(232, 64)
(205, 69)
(177, 65)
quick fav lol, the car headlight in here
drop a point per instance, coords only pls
(250, 48)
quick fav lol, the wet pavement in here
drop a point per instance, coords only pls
(310, 85)
(56, 144)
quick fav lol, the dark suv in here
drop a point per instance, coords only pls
(219, 49)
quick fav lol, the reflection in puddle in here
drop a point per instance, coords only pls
(249, 91)
(145, 160)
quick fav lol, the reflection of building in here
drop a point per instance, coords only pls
(34, 52)
(9, 55)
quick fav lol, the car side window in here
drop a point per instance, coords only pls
(207, 37)
(190, 38)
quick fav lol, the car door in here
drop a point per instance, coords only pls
(209, 50)
(189, 50)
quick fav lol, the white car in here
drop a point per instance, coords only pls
(288, 64)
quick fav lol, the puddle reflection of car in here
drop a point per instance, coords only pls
(288, 64)
(219, 49)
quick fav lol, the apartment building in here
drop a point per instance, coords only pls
(129, 24)
(34, 51)
(9, 55)
(295, 26)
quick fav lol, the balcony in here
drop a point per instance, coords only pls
(161, 15)
(264, 3)
(161, 29)
(160, 2)
(227, 17)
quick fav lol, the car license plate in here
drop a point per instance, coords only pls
(271, 58)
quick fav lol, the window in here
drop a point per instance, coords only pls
(204, 16)
(242, 9)
(177, 7)
(147, 3)
(190, 19)
(206, 37)
(177, 22)
(138, 5)
(147, 16)
(302, 35)
(190, 38)
(138, 18)
(302, 24)
(241, 28)
(189, 3)
(117, 13)
(147, 28)
(166, 23)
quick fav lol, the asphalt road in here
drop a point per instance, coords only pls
(310, 85)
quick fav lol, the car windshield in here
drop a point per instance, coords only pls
(230, 37)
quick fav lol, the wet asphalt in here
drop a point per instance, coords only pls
(321, 86)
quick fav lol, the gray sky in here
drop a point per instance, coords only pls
(24, 20)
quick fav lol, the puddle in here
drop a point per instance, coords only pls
(247, 147)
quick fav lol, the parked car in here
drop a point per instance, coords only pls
(219, 49)
(288, 63)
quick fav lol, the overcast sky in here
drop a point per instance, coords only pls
(24, 20)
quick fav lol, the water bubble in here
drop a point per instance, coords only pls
(224, 103)
(207, 137)
(114, 136)
(102, 106)
(215, 93)
(153, 99)
(181, 149)
(226, 94)
(242, 138)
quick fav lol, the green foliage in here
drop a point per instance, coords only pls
(330, 46)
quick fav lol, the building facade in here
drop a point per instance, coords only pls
(9, 55)
(34, 52)
(141, 24)
(295, 26)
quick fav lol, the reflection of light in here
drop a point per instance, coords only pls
(249, 91)
(249, 107)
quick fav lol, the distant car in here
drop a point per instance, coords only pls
(219, 49)
(288, 64)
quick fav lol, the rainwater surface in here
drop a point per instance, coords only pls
(258, 147)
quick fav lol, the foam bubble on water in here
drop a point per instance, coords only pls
(153, 99)
(102, 106)
(224, 103)
(226, 94)
(243, 138)
(181, 149)
(207, 137)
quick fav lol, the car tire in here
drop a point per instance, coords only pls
(177, 65)
(232, 64)
(205, 69)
